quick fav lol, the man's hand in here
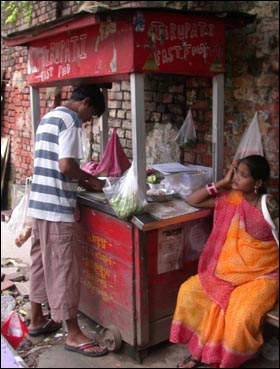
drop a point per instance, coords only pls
(96, 184)
(70, 168)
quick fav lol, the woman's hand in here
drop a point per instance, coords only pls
(201, 198)
(229, 175)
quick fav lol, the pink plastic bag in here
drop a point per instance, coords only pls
(113, 163)
(14, 329)
(90, 167)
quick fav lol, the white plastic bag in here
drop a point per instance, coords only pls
(251, 141)
(20, 225)
(111, 187)
(128, 199)
(187, 134)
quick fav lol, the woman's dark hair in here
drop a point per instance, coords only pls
(97, 99)
(259, 168)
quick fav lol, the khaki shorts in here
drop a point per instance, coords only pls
(54, 273)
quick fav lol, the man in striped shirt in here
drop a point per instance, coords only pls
(54, 274)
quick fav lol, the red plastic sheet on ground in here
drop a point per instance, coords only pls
(113, 163)
(14, 329)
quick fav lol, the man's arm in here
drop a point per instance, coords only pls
(70, 168)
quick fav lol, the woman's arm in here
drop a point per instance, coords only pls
(201, 197)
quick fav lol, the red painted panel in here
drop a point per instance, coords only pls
(179, 43)
(107, 271)
(107, 313)
(116, 229)
(97, 50)
(120, 278)
(143, 42)
(163, 288)
(107, 275)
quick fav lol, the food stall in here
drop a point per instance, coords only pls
(132, 269)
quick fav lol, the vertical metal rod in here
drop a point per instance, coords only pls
(138, 128)
(35, 109)
(218, 127)
(104, 125)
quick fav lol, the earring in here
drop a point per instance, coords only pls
(255, 190)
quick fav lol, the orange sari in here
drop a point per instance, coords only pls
(219, 312)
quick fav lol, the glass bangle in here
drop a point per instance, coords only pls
(211, 189)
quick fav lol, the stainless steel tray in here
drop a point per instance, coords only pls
(164, 195)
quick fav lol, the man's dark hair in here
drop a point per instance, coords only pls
(97, 99)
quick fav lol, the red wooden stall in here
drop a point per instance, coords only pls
(132, 270)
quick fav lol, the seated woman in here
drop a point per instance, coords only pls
(220, 310)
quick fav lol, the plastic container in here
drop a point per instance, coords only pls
(184, 183)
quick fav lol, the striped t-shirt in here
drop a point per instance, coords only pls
(53, 196)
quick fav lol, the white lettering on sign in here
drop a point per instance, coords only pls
(63, 70)
(186, 38)
(63, 52)
(173, 31)
(45, 74)
(178, 52)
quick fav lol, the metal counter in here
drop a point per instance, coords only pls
(146, 221)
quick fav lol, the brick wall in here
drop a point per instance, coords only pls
(251, 84)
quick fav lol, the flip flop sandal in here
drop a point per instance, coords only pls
(49, 327)
(187, 360)
(83, 346)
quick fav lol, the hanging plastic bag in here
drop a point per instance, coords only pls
(113, 163)
(14, 329)
(187, 134)
(251, 141)
(111, 187)
(128, 200)
(20, 225)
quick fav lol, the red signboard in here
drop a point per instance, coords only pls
(179, 43)
(144, 42)
(97, 50)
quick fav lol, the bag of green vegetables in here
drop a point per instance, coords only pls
(129, 200)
